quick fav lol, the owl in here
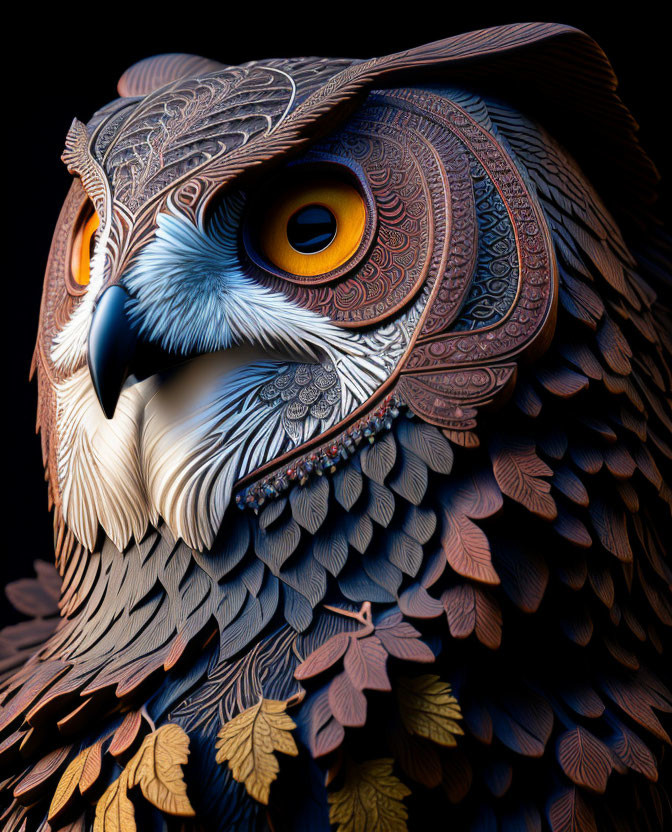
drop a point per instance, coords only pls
(354, 400)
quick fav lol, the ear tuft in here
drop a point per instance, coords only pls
(151, 73)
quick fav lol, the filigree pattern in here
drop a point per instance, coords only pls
(307, 391)
(495, 281)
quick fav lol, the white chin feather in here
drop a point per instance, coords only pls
(99, 462)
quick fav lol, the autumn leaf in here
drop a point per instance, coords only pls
(114, 811)
(401, 640)
(370, 800)
(248, 742)
(156, 768)
(82, 772)
(324, 657)
(428, 709)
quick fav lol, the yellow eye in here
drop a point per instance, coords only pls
(313, 227)
(82, 246)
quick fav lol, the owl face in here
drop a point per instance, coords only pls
(247, 281)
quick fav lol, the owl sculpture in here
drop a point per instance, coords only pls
(354, 400)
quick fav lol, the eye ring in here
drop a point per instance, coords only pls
(330, 185)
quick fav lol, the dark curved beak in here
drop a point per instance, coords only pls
(116, 350)
(111, 347)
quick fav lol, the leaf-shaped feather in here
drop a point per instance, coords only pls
(380, 506)
(524, 575)
(324, 657)
(156, 768)
(83, 771)
(417, 758)
(126, 734)
(469, 609)
(419, 523)
(614, 347)
(467, 548)
(249, 741)
(324, 732)
(310, 503)
(458, 776)
(428, 709)
(428, 443)
(585, 760)
(631, 750)
(92, 768)
(347, 486)
(611, 527)
(114, 811)
(465, 545)
(377, 460)
(566, 481)
(347, 702)
(562, 382)
(568, 812)
(519, 471)
(400, 639)
(371, 799)
(411, 478)
(580, 301)
(271, 512)
(365, 663)
(523, 721)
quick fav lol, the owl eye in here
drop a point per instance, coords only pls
(311, 227)
(82, 245)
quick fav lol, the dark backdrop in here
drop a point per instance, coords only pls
(69, 67)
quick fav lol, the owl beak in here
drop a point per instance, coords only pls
(116, 350)
(111, 347)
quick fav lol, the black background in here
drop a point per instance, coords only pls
(68, 66)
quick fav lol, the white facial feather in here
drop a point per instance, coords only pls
(99, 462)
(189, 294)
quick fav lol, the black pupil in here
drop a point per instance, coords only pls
(311, 229)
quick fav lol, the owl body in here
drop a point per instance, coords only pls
(354, 402)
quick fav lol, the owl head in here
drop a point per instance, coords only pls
(257, 267)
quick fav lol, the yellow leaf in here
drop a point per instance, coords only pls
(248, 742)
(371, 799)
(156, 768)
(85, 767)
(114, 811)
(428, 709)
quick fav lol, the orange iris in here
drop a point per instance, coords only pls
(283, 215)
(82, 249)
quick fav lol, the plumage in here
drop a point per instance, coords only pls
(368, 544)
